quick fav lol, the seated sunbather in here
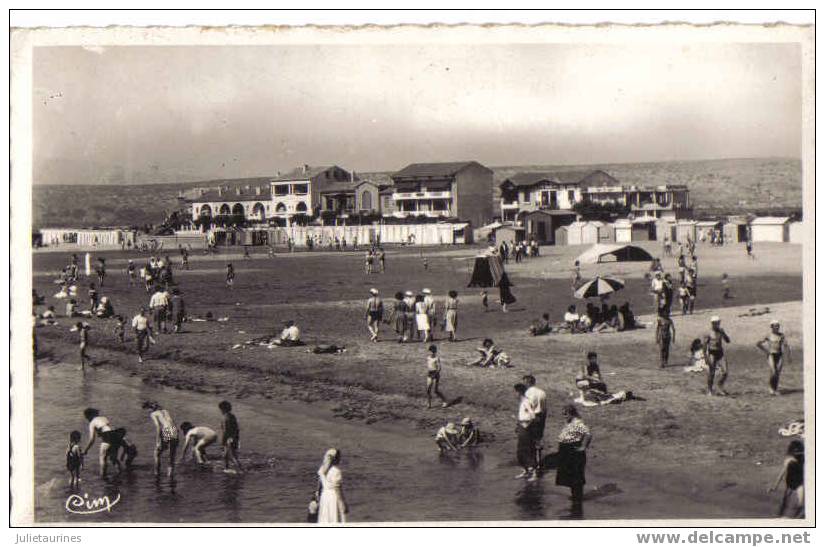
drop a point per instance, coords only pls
(541, 326)
(491, 355)
(592, 389)
(698, 363)
(290, 336)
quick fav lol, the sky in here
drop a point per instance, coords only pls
(143, 114)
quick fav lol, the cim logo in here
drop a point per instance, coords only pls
(84, 505)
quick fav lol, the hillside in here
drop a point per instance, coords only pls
(735, 185)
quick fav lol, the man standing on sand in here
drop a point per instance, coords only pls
(715, 356)
(665, 336)
(375, 312)
(158, 304)
(537, 399)
(143, 332)
(777, 349)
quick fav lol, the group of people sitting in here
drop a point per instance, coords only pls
(491, 356)
(594, 319)
(592, 387)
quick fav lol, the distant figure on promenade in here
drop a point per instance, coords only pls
(715, 342)
(776, 348)
(332, 506)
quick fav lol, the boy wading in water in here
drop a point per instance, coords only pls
(715, 356)
(433, 377)
(74, 459)
(83, 330)
(776, 348)
(198, 438)
(230, 437)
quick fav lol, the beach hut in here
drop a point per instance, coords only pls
(796, 232)
(561, 235)
(606, 232)
(643, 229)
(735, 231)
(590, 232)
(614, 253)
(508, 233)
(704, 229)
(685, 229)
(665, 228)
(773, 229)
(623, 231)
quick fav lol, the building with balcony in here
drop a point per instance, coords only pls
(462, 190)
(557, 191)
(667, 201)
(353, 197)
(248, 202)
(300, 190)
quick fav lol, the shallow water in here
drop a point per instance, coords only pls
(389, 474)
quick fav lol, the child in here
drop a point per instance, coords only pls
(199, 438)
(74, 458)
(484, 303)
(447, 438)
(129, 452)
(698, 363)
(120, 328)
(684, 298)
(725, 287)
(230, 437)
(793, 499)
(230, 275)
(433, 377)
(577, 274)
(83, 329)
(92, 296)
(130, 272)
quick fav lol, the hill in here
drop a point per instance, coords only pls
(716, 186)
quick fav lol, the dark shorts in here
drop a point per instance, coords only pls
(537, 427)
(375, 316)
(434, 374)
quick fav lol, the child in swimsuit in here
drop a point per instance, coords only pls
(74, 458)
(433, 377)
(230, 436)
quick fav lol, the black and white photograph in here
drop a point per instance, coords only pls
(437, 275)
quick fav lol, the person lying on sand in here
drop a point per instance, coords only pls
(592, 388)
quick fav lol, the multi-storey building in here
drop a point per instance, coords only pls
(667, 201)
(462, 190)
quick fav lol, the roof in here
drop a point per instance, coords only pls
(769, 221)
(620, 253)
(532, 178)
(548, 212)
(708, 223)
(447, 169)
(305, 173)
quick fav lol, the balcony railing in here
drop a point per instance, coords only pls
(422, 195)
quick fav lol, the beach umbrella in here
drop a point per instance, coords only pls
(599, 286)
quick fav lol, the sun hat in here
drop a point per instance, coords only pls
(774, 322)
(373, 291)
(451, 428)
(426, 291)
(715, 319)
(466, 421)
(408, 293)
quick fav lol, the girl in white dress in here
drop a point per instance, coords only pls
(332, 507)
(422, 319)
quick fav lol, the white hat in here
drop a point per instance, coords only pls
(715, 319)
(408, 293)
(774, 322)
(451, 428)
(426, 291)
(373, 291)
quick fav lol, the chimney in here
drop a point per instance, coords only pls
(305, 169)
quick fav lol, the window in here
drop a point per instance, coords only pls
(571, 196)
(366, 200)
(301, 207)
(281, 189)
(280, 208)
(300, 189)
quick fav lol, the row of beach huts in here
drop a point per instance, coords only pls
(734, 230)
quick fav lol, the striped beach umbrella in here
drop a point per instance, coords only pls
(599, 286)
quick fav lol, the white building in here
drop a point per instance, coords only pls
(775, 229)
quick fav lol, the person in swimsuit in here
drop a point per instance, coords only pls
(230, 275)
(167, 435)
(793, 471)
(199, 438)
(83, 329)
(99, 427)
(776, 348)
(230, 436)
(433, 377)
(374, 313)
(74, 458)
(715, 356)
(665, 336)
(128, 451)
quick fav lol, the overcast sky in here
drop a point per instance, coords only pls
(167, 114)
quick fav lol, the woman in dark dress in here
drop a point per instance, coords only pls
(793, 499)
(573, 442)
(505, 296)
